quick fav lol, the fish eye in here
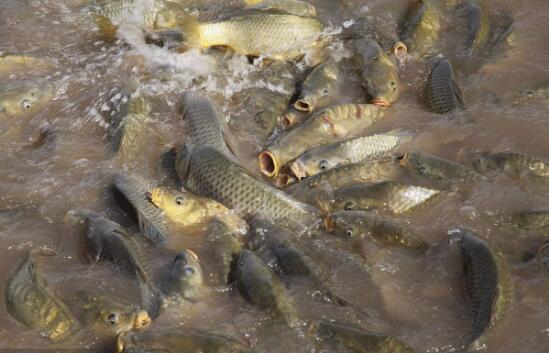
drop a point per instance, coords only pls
(325, 92)
(349, 233)
(26, 104)
(323, 165)
(529, 94)
(393, 83)
(179, 200)
(188, 270)
(112, 319)
(349, 206)
(2, 109)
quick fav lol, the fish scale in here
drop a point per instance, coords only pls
(442, 94)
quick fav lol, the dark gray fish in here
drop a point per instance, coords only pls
(357, 339)
(224, 243)
(208, 172)
(258, 285)
(442, 93)
(437, 168)
(131, 195)
(531, 219)
(184, 278)
(513, 164)
(488, 283)
(420, 29)
(202, 124)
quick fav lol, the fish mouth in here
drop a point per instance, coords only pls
(120, 343)
(142, 320)
(268, 164)
(156, 196)
(298, 169)
(380, 102)
(303, 106)
(283, 180)
(400, 49)
(289, 120)
(192, 254)
(329, 223)
(402, 159)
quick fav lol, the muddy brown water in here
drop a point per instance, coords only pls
(419, 299)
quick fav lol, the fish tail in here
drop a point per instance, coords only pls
(105, 26)
(190, 28)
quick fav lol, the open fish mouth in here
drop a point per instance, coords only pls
(380, 102)
(268, 164)
(156, 196)
(303, 106)
(142, 320)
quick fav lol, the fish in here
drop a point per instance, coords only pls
(293, 7)
(328, 126)
(385, 33)
(490, 291)
(15, 64)
(321, 159)
(209, 173)
(27, 97)
(538, 91)
(385, 195)
(379, 73)
(174, 339)
(187, 209)
(202, 123)
(530, 218)
(252, 32)
(513, 164)
(319, 87)
(292, 117)
(442, 93)
(437, 168)
(258, 285)
(420, 28)
(478, 25)
(224, 245)
(184, 278)
(107, 314)
(356, 225)
(31, 302)
(132, 195)
(356, 339)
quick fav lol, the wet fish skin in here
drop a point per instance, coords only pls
(32, 303)
(379, 73)
(184, 279)
(478, 25)
(293, 7)
(539, 91)
(207, 172)
(330, 125)
(510, 163)
(386, 195)
(224, 245)
(27, 98)
(488, 283)
(357, 339)
(442, 93)
(437, 168)
(110, 315)
(319, 87)
(187, 209)
(11, 64)
(174, 339)
(132, 195)
(357, 224)
(531, 219)
(258, 285)
(420, 29)
(256, 33)
(346, 152)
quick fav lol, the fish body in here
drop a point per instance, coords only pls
(12, 64)
(328, 126)
(358, 224)
(531, 219)
(293, 7)
(488, 283)
(357, 339)
(442, 93)
(174, 340)
(258, 285)
(26, 98)
(385, 195)
(184, 278)
(187, 209)
(32, 303)
(346, 152)
(420, 29)
(208, 172)
(253, 32)
(478, 25)
(510, 163)
(539, 91)
(437, 168)
(379, 74)
(319, 87)
(224, 244)
(132, 195)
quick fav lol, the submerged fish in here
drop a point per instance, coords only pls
(478, 25)
(224, 245)
(357, 339)
(174, 340)
(542, 255)
(208, 172)
(358, 224)
(530, 219)
(319, 87)
(539, 91)
(510, 163)
(254, 32)
(379, 73)
(386, 195)
(26, 98)
(132, 195)
(442, 93)
(14, 64)
(258, 285)
(184, 278)
(437, 168)
(187, 209)
(32, 303)
(293, 7)
(323, 158)
(488, 282)
(330, 125)
(420, 29)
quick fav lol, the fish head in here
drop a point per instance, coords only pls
(26, 98)
(174, 203)
(479, 160)
(187, 272)
(347, 224)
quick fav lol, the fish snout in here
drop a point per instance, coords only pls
(141, 320)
